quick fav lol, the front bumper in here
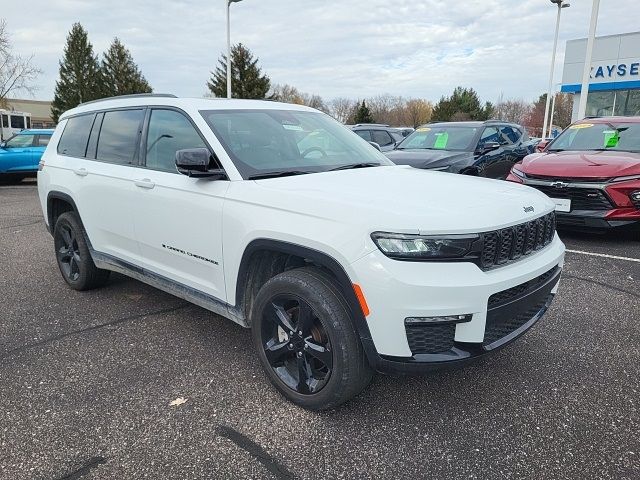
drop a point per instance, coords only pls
(440, 289)
(598, 219)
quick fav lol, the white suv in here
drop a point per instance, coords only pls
(282, 220)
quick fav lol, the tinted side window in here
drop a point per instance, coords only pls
(17, 121)
(28, 122)
(381, 137)
(169, 131)
(490, 134)
(43, 140)
(5, 121)
(364, 134)
(75, 135)
(510, 134)
(118, 139)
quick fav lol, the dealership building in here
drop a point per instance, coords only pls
(614, 86)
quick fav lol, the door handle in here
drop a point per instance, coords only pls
(144, 183)
(82, 172)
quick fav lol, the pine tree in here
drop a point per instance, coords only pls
(463, 104)
(79, 74)
(363, 115)
(120, 74)
(247, 80)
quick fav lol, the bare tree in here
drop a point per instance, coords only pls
(343, 109)
(290, 94)
(513, 110)
(417, 112)
(17, 73)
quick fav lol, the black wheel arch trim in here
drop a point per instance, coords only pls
(56, 195)
(321, 259)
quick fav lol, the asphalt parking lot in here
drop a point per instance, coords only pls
(86, 382)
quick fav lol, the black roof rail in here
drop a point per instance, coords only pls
(133, 95)
(371, 125)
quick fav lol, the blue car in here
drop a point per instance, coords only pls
(20, 155)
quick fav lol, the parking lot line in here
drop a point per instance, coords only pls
(604, 255)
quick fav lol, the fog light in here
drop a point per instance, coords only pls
(443, 319)
(635, 196)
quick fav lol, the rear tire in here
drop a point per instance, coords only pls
(306, 340)
(73, 256)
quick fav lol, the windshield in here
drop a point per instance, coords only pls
(623, 137)
(441, 138)
(267, 141)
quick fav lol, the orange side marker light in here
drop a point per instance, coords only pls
(361, 299)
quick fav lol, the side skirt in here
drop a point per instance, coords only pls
(204, 300)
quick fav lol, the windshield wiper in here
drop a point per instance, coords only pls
(283, 173)
(354, 165)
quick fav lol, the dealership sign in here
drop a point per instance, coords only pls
(615, 70)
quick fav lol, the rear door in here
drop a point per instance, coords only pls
(99, 153)
(178, 219)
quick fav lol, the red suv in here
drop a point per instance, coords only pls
(591, 171)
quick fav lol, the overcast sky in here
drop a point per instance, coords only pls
(357, 48)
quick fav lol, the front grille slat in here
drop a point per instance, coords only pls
(581, 198)
(502, 247)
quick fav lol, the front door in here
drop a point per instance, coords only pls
(178, 219)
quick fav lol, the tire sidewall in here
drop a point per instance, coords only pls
(71, 220)
(335, 318)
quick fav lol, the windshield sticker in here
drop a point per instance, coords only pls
(292, 127)
(441, 140)
(580, 126)
(423, 129)
(611, 138)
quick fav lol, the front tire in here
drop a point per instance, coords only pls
(306, 340)
(73, 256)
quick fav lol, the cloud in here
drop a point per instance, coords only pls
(333, 48)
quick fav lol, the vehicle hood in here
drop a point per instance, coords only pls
(582, 164)
(401, 199)
(422, 158)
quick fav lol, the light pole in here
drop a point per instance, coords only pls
(553, 110)
(584, 90)
(229, 2)
(560, 4)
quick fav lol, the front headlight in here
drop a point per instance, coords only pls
(423, 247)
(517, 172)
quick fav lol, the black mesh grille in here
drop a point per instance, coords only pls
(512, 293)
(581, 198)
(430, 337)
(509, 244)
(501, 327)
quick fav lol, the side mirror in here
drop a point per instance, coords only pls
(542, 145)
(488, 147)
(194, 162)
(376, 146)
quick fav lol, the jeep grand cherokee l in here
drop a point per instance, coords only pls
(340, 262)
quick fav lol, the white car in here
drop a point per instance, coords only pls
(284, 221)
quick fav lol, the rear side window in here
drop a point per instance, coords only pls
(381, 137)
(118, 139)
(364, 134)
(74, 138)
(28, 122)
(5, 121)
(17, 121)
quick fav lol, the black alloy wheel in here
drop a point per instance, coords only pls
(69, 254)
(296, 344)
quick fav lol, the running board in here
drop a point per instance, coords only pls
(204, 300)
